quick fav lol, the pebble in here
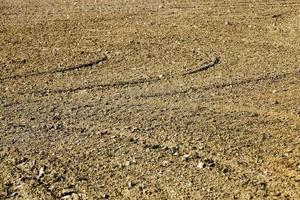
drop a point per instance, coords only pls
(201, 165)
(185, 157)
(165, 163)
(66, 197)
(105, 196)
(41, 172)
(67, 191)
(127, 163)
(278, 193)
(75, 196)
(227, 23)
(13, 194)
(130, 185)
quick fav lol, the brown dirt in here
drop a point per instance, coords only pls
(97, 99)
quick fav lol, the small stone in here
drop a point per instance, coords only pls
(278, 194)
(75, 196)
(227, 23)
(82, 196)
(127, 163)
(41, 172)
(58, 126)
(13, 194)
(185, 157)
(51, 187)
(160, 76)
(68, 191)
(165, 163)
(201, 165)
(105, 196)
(130, 185)
(274, 91)
(66, 197)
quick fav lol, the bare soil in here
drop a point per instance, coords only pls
(136, 99)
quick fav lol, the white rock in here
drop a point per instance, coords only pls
(41, 172)
(129, 184)
(66, 197)
(165, 163)
(185, 157)
(127, 163)
(200, 165)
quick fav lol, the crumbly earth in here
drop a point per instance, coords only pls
(97, 99)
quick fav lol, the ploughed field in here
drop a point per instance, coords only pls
(115, 99)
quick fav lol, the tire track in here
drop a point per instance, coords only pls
(224, 85)
(205, 66)
(64, 70)
(124, 83)
(252, 109)
(118, 84)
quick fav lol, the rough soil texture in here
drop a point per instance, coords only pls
(115, 99)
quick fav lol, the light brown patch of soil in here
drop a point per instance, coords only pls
(97, 101)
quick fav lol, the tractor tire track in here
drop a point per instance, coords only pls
(64, 70)
(124, 83)
(224, 85)
(118, 84)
